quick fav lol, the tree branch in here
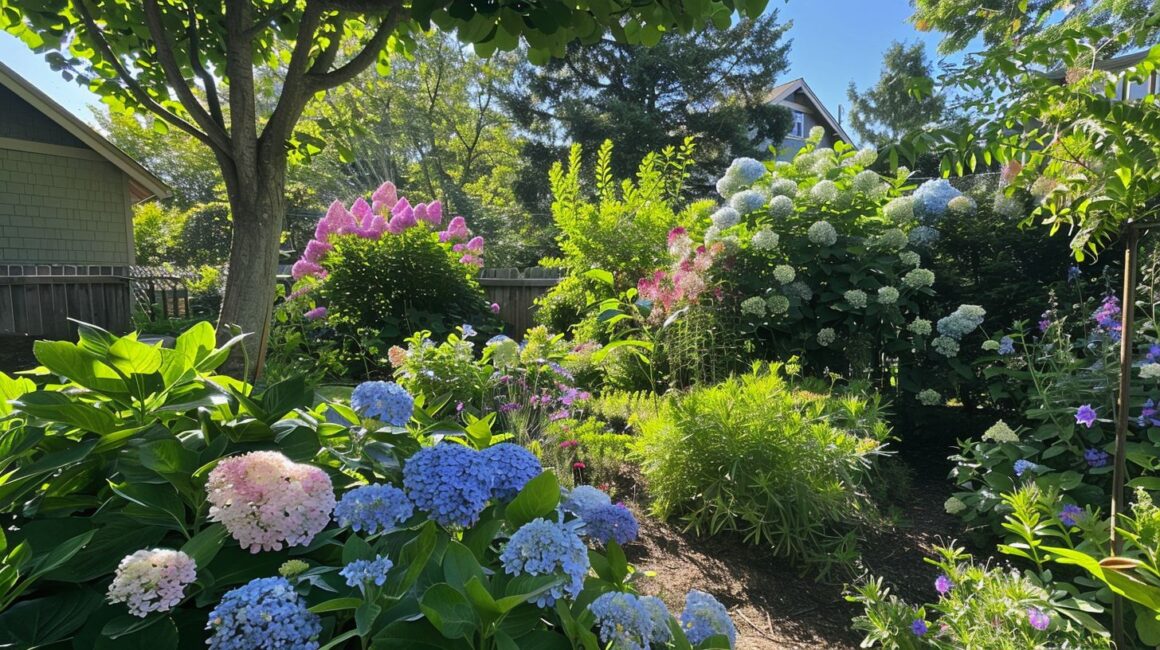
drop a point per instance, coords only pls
(264, 20)
(362, 60)
(135, 89)
(294, 88)
(176, 79)
(215, 105)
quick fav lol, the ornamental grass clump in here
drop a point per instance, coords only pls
(755, 455)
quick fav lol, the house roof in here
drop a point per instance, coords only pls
(1114, 63)
(143, 185)
(780, 93)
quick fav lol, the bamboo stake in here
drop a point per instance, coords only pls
(1127, 313)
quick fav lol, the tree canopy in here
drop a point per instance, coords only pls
(889, 109)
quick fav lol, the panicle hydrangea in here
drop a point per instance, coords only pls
(263, 614)
(923, 236)
(704, 616)
(931, 199)
(887, 295)
(954, 505)
(801, 290)
(152, 580)
(964, 320)
(825, 191)
(361, 573)
(918, 278)
(1000, 432)
(866, 182)
(449, 482)
(780, 206)
(765, 239)
(513, 466)
(625, 622)
(826, 336)
(610, 522)
(542, 547)
(753, 306)
(747, 201)
(856, 298)
(822, 233)
(892, 240)
(661, 634)
(373, 508)
(784, 273)
(929, 397)
(910, 258)
(783, 187)
(920, 326)
(961, 205)
(777, 305)
(900, 209)
(725, 218)
(583, 498)
(945, 346)
(385, 401)
(266, 501)
(1008, 206)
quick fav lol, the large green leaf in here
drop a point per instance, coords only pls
(10, 389)
(413, 558)
(539, 498)
(1121, 582)
(40, 621)
(449, 611)
(58, 407)
(460, 565)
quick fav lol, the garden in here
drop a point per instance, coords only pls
(903, 395)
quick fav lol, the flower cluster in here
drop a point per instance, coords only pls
(542, 547)
(610, 522)
(742, 173)
(783, 273)
(748, 201)
(624, 621)
(263, 613)
(373, 508)
(1023, 465)
(265, 500)
(1107, 317)
(856, 298)
(777, 304)
(825, 191)
(1070, 515)
(1006, 346)
(932, 198)
(782, 187)
(920, 327)
(780, 206)
(685, 283)
(822, 233)
(726, 217)
(583, 498)
(1096, 458)
(765, 240)
(945, 345)
(826, 336)
(704, 616)
(918, 278)
(963, 321)
(1000, 432)
(929, 397)
(923, 236)
(512, 467)
(887, 295)
(450, 482)
(362, 573)
(383, 400)
(899, 210)
(152, 580)
(893, 240)
(753, 306)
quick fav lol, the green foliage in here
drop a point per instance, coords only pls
(985, 607)
(205, 236)
(755, 455)
(889, 110)
(157, 233)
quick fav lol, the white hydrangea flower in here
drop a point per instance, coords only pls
(780, 207)
(918, 278)
(865, 157)
(991, 345)
(725, 217)
(900, 209)
(801, 290)
(784, 273)
(728, 185)
(783, 187)
(765, 239)
(826, 336)
(748, 201)
(929, 397)
(777, 304)
(747, 170)
(893, 239)
(954, 506)
(712, 233)
(825, 191)
(945, 346)
(924, 236)
(817, 133)
(822, 233)
(910, 258)
(856, 297)
(961, 205)
(1008, 206)
(754, 306)
(887, 295)
(866, 181)
(1150, 371)
(920, 327)
(1000, 432)
(824, 162)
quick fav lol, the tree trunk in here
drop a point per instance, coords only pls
(258, 205)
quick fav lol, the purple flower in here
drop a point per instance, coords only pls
(943, 584)
(1070, 514)
(1096, 458)
(918, 627)
(1107, 317)
(1085, 415)
(1153, 353)
(1073, 273)
(1045, 321)
(1147, 414)
(1023, 465)
(316, 313)
(494, 307)
(1038, 618)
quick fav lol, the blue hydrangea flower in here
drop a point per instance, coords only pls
(1070, 514)
(661, 634)
(542, 547)
(607, 522)
(746, 170)
(497, 339)
(1096, 458)
(512, 466)
(449, 482)
(624, 621)
(964, 320)
(583, 498)
(383, 400)
(931, 199)
(1022, 465)
(361, 573)
(468, 331)
(263, 613)
(704, 616)
(1006, 346)
(372, 508)
(923, 236)
(748, 201)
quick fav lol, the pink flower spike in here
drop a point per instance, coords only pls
(402, 205)
(434, 213)
(327, 223)
(316, 250)
(316, 313)
(472, 260)
(384, 198)
(303, 268)
(475, 245)
(362, 211)
(420, 212)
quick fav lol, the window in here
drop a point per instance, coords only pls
(1139, 89)
(799, 125)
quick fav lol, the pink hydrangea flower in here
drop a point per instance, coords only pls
(316, 250)
(475, 245)
(435, 213)
(265, 500)
(384, 198)
(473, 260)
(456, 230)
(304, 267)
(494, 307)
(152, 580)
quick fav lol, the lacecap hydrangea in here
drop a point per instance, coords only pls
(152, 580)
(385, 401)
(624, 621)
(704, 616)
(373, 508)
(512, 466)
(449, 482)
(263, 613)
(265, 500)
(543, 547)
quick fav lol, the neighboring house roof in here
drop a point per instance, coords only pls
(1113, 64)
(143, 185)
(785, 90)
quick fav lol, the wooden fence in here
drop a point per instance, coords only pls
(38, 301)
(515, 292)
(160, 295)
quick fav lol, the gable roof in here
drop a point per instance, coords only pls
(143, 185)
(780, 93)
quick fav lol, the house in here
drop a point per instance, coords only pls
(66, 220)
(808, 112)
(1126, 90)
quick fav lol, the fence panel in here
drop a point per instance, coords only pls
(515, 292)
(38, 301)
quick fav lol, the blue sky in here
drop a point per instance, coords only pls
(834, 42)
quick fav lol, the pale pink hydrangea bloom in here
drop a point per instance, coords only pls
(456, 230)
(384, 198)
(316, 313)
(266, 500)
(152, 580)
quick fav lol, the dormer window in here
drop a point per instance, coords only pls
(799, 125)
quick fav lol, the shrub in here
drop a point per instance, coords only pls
(754, 455)
(156, 233)
(205, 235)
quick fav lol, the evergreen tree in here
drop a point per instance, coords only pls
(888, 110)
